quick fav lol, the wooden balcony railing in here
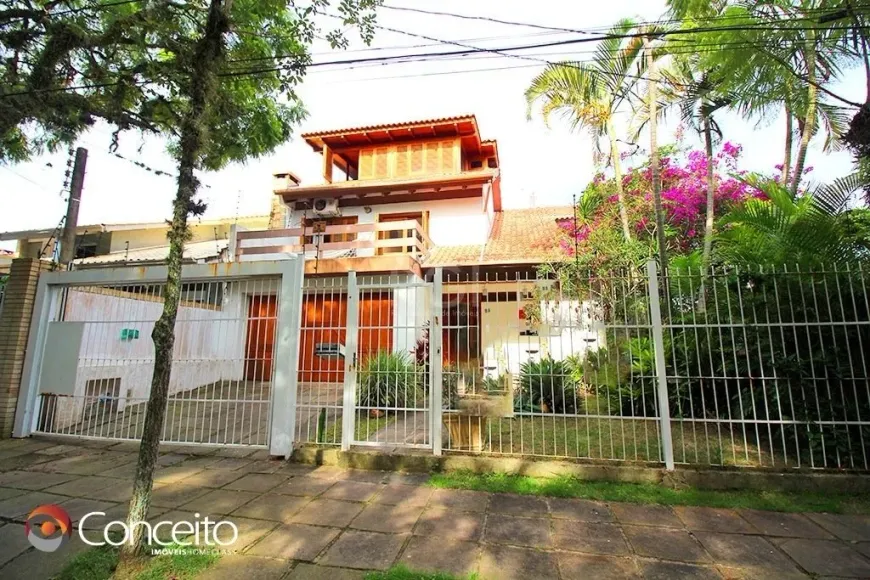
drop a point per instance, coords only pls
(371, 239)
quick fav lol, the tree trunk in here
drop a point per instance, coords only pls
(617, 172)
(654, 163)
(789, 137)
(208, 51)
(708, 223)
(810, 116)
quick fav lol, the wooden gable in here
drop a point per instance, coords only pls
(436, 157)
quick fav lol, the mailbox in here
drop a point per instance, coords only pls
(329, 350)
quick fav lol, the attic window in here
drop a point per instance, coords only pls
(491, 163)
(476, 164)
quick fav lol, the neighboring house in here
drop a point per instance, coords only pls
(402, 199)
(136, 243)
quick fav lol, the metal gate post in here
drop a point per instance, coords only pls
(661, 371)
(435, 361)
(348, 414)
(283, 423)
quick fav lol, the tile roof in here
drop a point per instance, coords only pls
(387, 126)
(518, 236)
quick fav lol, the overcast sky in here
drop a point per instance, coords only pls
(540, 165)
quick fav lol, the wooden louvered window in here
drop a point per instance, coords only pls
(413, 159)
(417, 158)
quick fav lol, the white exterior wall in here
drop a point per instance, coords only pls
(452, 222)
(209, 344)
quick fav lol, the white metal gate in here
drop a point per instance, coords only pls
(92, 355)
(369, 352)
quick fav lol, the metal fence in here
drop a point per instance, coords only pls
(93, 356)
(762, 367)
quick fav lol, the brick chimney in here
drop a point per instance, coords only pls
(278, 212)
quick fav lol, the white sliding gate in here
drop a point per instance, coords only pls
(90, 355)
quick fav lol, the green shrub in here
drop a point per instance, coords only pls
(546, 383)
(389, 380)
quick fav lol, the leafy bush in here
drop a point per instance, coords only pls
(389, 380)
(449, 386)
(546, 385)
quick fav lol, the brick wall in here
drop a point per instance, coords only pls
(14, 330)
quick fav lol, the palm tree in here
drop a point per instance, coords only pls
(588, 94)
(807, 229)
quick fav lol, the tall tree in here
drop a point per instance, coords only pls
(588, 94)
(216, 77)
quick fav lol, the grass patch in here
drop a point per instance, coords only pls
(648, 493)
(584, 437)
(100, 563)
(365, 427)
(403, 573)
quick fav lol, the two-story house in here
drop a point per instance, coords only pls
(403, 199)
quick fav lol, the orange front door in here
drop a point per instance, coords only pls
(324, 320)
(260, 341)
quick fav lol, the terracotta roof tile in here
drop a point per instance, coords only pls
(396, 125)
(519, 236)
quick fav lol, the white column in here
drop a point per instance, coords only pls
(348, 414)
(661, 377)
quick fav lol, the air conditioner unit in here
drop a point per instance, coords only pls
(326, 207)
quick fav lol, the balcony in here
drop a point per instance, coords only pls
(364, 247)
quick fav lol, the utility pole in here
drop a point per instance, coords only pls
(68, 238)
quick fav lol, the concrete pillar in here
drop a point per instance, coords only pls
(277, 213)
(14, 329)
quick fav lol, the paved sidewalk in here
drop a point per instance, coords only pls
(299, 522)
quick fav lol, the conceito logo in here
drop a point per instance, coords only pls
(48, 527)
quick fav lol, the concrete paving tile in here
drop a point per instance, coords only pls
(262, 466)
(13, 541)
(278, 508)
(517, 505)
(366, 550)
(403, 494)
(27, 461)
(295, 469)
(827, 558)
(305, 486)
(328, 512)
(511, 563)
(746, 552)
(176, 494)
(33, 480)
(352, 491)
(120, 491)
(295, 542)
(784, 524)
(213, 478)
(863, 547)
(591, 538)
(78, 507)
(433, 554)
(665, 544)
(304, 571)
(598, 567)
(579, 509)
(645, 515)
(235, 566)
(127, 471)
(846, 527)
(234, 452)
(408, 478)
(388, 518)
(19, 506)
(118, 512)
(469, 501)
(365, 476)
(175, 473)
(83, 486)
(7, 492)
(705, 519)
(231, 463)
(654, 570)
(249, 532)
(450, 523)
(327, 472)
(257, 482)
(36, 564)
(532, 532)
(755, 573)
(219, 501)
